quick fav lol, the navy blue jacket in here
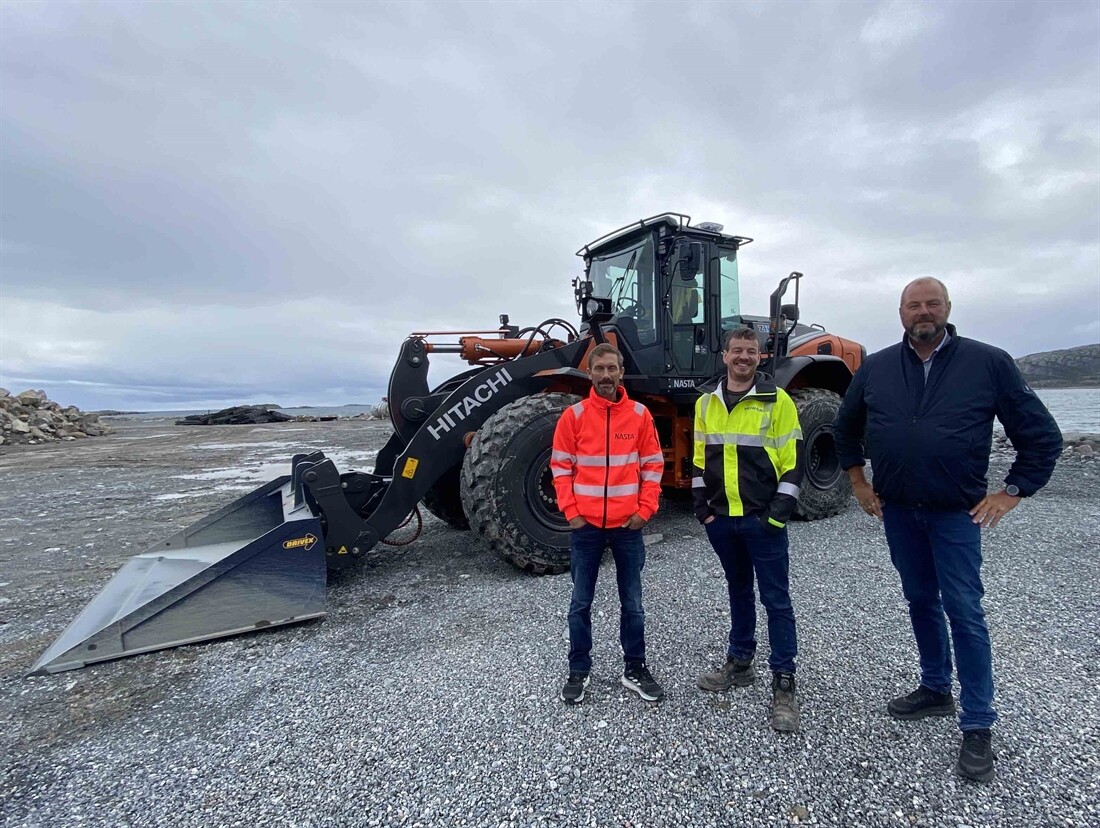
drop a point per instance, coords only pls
(929, 446)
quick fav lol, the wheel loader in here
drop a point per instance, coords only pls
(475, 450)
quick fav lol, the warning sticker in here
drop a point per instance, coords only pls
(410, 468)
(301, 543)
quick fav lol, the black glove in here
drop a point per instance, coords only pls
(770, 527)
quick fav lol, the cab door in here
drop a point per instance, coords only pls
(691, 310)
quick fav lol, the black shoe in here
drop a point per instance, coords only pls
(785, 713)
(573, 691)
(920, 703)
(976, 756)
(736, 672)
(638, 678)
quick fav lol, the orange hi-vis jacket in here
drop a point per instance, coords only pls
(607, 461)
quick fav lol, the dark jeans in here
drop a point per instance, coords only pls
(938, 555)
(586, 550)
(743, 545)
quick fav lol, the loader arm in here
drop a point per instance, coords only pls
(358, 510)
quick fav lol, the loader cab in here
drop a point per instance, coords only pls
(666, 289)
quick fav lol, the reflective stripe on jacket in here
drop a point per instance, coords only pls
(748, 460)
(607, 462)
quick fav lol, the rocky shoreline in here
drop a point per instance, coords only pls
(30, 417)
(259, 414)
(1076, 446)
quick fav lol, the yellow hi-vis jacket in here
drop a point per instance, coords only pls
(748, 460)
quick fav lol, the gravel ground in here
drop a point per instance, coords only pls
(429, 694)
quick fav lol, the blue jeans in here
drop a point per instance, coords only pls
(938, 555)
(743, 545)
(586, 549)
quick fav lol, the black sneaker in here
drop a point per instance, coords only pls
(638, 678)
(921, 703)
(976, 756)
(573, 691)
(736, 672)
(785, 714)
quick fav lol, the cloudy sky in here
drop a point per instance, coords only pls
(209, 204)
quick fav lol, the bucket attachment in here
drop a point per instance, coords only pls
(258, 562)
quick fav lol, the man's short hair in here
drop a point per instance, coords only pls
(600, 350)
(742, 332)
(923, 280)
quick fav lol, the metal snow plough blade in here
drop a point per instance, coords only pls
(258, 562)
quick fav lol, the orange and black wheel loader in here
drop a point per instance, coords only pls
(475, 450)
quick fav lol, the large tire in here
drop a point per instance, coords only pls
(826, 489)
(444, 499)
(507, 488)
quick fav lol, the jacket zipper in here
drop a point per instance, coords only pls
(606, 466)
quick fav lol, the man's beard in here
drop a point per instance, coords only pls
(608, 390)
(925, 335)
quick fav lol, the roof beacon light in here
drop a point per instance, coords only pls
(709, 226)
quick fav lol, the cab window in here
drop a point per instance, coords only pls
(729, 295)
(626, 278)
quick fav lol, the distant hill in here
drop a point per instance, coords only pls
(1069, 368)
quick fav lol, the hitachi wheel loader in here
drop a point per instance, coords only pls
(475, 450)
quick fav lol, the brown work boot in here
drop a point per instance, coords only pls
(736, 672)
(785, 715)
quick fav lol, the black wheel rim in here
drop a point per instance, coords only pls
(822, 463)
(542, 499)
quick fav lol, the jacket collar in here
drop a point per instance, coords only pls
(600, 402)
(763, 387)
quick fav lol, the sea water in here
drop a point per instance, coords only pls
(1074, 409)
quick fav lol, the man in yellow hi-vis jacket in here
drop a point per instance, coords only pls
(748, 467)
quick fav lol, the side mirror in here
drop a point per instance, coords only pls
(689, 260)
(790, 311)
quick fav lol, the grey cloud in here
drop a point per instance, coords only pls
(429, 165)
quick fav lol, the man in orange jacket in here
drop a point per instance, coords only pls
(607, 465)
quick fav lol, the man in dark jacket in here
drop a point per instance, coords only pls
(927, 405)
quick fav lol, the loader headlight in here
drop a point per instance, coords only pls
(591, 306)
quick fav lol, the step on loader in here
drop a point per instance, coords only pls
(475, 451)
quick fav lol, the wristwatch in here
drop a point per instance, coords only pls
(1012, 490)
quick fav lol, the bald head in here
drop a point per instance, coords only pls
(924, 310)
(926, 282)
